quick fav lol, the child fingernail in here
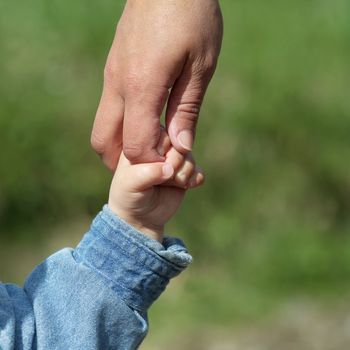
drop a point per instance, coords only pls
(168, 170)
(181, 178)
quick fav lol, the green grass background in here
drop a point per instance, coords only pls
(272, 222)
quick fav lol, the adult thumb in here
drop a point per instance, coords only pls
(143, 176)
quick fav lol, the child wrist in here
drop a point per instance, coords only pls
(155, 232)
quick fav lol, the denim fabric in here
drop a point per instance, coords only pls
(93, 297)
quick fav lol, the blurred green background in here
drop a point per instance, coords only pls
(270, 230)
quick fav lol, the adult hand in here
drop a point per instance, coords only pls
(164, 54)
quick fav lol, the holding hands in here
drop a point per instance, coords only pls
(144, 194)
(162, 58)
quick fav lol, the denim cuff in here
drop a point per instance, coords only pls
(135, 266)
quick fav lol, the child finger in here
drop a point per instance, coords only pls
(197, 178)
(183, 175)
(175, 158)
(143, 176)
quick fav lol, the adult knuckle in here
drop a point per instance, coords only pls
(98, 143)
(209, 63)
(133, 152)
(109, 73)
(204, 67)
(133, 81)
(109, 70)
(189, 111)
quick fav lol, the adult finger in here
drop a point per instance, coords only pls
(107, 132)
(185, 101)
(141, 131)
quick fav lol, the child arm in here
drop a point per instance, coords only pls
(93, 297)
(97, 295)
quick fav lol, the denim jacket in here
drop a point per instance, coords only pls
(95, 296)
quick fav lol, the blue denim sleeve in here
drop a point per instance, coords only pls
(93, 297)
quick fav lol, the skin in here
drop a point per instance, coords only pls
(143, 194)
(162, 58)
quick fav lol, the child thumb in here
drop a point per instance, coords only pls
(144, 176)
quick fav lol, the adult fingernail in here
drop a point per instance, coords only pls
(185, 138)
(168, 170)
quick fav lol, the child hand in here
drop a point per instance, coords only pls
(144, 194)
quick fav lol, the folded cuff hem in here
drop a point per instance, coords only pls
(137, 267)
